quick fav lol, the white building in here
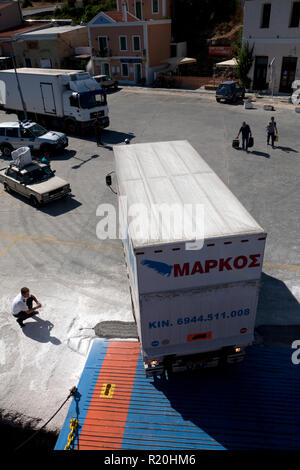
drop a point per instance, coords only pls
(273, 26)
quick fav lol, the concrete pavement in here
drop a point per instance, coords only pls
(81, 280)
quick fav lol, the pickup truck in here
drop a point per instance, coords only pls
(35, 181)
(230, 91)
(27, 133)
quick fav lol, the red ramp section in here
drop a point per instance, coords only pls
(106, 417)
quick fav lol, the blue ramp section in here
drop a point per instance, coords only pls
(80, 403)
(246, 406)
(251, 405)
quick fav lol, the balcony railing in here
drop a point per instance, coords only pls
(102, 52)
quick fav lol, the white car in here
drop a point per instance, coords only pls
(30, 134)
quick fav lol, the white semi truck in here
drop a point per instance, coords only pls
(194, 306)
(68, 99)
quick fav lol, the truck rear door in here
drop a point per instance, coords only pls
(48, 98)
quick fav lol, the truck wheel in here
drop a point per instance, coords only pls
(71, 126)
(6, 150)
(218, 100)
(34, 201)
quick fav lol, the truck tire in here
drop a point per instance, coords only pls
(71, 126)
(34, 201)
(218, 100)
(6, 150)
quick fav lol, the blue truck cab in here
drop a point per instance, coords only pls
(230, 91)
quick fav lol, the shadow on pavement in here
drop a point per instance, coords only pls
(65, 155)
(109, 137)
(260, 154)
(83, 162)
(275, 301)
(59, 207)
(40, 331)
(286, 149)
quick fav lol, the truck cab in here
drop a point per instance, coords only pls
(229, 91)
(84, 100)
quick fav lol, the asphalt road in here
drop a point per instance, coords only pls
(81, 280)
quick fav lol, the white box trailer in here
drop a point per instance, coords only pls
(193, 307)
(71, 98)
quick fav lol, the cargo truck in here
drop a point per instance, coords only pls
(68, 99)
(193, 307)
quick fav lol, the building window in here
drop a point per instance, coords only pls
(154, 6)
(27, 62)
(266, 13)
(125, 70)
(136, 43)
(123, 43)
(295, 17)
(103, 46)
(138, 10)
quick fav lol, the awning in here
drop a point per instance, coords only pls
(179, 61)
(81, 56)
(227, 63)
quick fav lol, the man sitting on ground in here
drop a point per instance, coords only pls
(22, 306)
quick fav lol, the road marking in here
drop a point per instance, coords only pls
(289, 267)
(99, 247)
(50, 240)
(8, 247)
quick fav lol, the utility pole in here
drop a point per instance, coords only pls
(272, 76)
(18, 84)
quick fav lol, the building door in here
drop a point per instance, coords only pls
(137, 73)
(260, 73)
(288, 72)
(105, 69)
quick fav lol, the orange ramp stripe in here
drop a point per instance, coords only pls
(106, 418)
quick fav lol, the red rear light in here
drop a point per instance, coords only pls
(243, 330)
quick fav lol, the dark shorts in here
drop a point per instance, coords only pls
(23, 315)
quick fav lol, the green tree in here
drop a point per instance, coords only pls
(244, 64)
(236, 44)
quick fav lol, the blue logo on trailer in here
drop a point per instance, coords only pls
(155, 343)
(161, 268)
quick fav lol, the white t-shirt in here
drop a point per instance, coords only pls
(19, 304)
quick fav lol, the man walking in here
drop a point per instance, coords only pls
(246, 132)
(271, 129)
(22, 306)
(98, 132)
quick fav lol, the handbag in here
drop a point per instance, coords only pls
(251, 142)
(276, 138)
